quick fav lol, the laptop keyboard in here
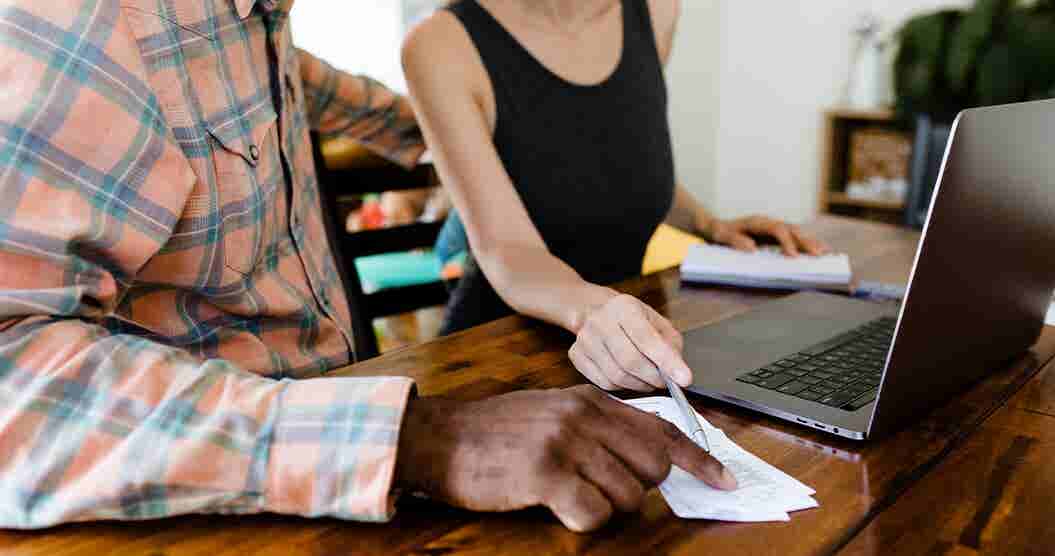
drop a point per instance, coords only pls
(843, 372)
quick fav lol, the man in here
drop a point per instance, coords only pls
(165, 284)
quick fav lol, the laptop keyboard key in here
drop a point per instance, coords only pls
(809, 395)
(837, 399)
(862, 401)
(775, 381)
(793, 387)
(820, 349)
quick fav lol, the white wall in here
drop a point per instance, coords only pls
(757, 146)
(692, 79)
(359, 36)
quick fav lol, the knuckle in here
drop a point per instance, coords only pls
(634, 495)
(629, 362)
(591, 394)
(554, 453)
(658, 466)
(625, 302)
(581, 390)
(573, 406)
(605, 383)
(670, 431)
(624, 381)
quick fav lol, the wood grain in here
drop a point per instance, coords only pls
(861, 487)
(994, 495)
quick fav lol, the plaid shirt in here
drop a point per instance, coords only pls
(164, 270)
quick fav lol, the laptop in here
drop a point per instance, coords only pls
(977, 295)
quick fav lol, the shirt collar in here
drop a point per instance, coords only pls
(245, 7)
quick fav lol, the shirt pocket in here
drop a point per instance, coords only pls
(245, 159)
(216, 97)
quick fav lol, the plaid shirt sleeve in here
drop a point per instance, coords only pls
(100, 425)
(359, 108)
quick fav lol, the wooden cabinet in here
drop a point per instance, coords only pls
(892, 141)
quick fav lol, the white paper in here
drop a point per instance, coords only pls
(765, 493)
(767, 267)
(1050, 319)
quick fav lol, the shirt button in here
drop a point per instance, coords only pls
(254, 153)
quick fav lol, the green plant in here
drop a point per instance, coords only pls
(997, 52)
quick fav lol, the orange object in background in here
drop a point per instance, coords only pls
(371, 216)
(667, 249)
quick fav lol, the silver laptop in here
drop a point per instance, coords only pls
(980, 286)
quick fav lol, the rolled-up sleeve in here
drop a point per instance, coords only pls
(357, 107)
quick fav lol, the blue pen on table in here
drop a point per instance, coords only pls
(696, 431)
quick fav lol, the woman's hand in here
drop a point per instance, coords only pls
(737, 234)
(622, 341)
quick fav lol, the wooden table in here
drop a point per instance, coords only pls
(972, 477)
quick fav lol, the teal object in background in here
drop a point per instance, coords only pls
(397, 270)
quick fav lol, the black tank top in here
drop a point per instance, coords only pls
(592, 164)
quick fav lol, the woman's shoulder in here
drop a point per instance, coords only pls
(439, 43)
(665, 15)
(440, 60)
(440, 33)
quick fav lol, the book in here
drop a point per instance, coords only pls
(766, 268)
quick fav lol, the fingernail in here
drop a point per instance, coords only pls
(728, 480)
(685, 377)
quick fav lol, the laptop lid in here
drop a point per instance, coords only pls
(983, 277)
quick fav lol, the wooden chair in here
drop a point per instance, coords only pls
(339, 190)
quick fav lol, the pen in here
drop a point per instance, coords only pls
(688, 415)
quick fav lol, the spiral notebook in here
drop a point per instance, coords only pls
(766, 268)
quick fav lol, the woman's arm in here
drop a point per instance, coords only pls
(689, 215)
(618, 337)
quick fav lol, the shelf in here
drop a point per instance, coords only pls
(842, 199)
(877, 115)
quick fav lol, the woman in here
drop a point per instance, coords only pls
(548, 122)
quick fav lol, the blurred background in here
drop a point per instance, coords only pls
(795, 108)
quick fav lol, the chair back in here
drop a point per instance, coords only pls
(341, 189)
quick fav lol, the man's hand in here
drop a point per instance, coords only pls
(621, 342)
(737, 234)
(576, 451)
